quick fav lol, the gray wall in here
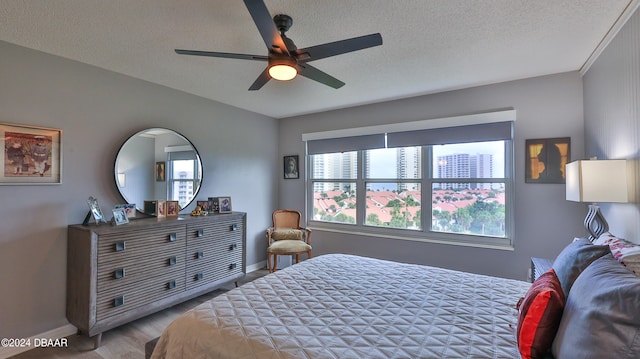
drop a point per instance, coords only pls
(549, 106)
(97, 110)
(612, 117)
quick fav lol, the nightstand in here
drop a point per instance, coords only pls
(539, 266)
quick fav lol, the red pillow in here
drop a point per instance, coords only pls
(540, 314)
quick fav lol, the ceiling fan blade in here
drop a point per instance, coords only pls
(266, 26)
(261, 80)
(313, 73)
(222, 54)
(338, 47)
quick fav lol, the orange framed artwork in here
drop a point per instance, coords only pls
(545, 160)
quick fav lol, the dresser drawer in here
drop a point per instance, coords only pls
(131, 270)
(123, 298)
(204, 271)
(120, 245)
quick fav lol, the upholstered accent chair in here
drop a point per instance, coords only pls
(286, 237)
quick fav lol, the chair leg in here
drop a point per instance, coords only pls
(297, 258)
(269, 262)
(275, 263)
(308, 254)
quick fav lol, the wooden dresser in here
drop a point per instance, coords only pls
(116, 274)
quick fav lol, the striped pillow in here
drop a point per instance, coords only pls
(539, 317)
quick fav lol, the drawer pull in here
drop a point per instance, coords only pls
(118, 301)
(233, 246)
(232, 266)
(234, 227)
(173, 237)
(119, 273)
(199, 254)
(198, 276)
(171, 284)
(120, 246)
(172, 261)
(200, 233)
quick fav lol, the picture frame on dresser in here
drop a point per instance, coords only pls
(120, 216)
(224, 204)
(173, 208)
(33, 155)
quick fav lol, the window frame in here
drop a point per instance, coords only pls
(425, 233)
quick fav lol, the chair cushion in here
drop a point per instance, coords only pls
(287, 233)
(288, 246)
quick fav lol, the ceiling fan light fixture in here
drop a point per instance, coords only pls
(282, 69)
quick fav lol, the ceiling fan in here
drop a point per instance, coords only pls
(285, 60)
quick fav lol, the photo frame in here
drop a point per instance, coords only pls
(120, 216)
(545, 159)
(291, 168)
(150, 208)
(161, 208)
(94, 211)
(173, 208)
(224, 204)
(32, 155)
(129, 209)
(214, 206)
(204, 205)
(161, 171)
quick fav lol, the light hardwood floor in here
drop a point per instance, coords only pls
(128, 341)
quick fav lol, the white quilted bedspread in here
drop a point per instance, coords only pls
(344, 306)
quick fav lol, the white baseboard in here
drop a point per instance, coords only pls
(257, 266)
(57, 333)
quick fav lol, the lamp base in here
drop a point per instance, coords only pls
(595, 223)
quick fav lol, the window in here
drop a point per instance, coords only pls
(183, 172)
(451, 184)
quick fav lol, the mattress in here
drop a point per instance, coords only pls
(345, 306)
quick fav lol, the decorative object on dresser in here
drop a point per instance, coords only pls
(120, 216)
(33, 155)
(94, 212)
(224, 204)
(599, 181)
(116, 274)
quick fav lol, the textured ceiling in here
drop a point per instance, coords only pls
(428, 45)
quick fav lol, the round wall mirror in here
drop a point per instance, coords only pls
(158, 163)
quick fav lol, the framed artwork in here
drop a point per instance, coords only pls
(120, 216)
(545, 160)
(291, 167)
(224, 204)
(32, 155)
(160, 172)
(173, 208)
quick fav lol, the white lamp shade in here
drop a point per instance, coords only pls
(599, 181)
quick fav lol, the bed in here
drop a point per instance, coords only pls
(587, 306)
(345, 306)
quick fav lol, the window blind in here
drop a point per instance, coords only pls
(345, 144)
(448, 135)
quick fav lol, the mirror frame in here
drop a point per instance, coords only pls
(138, 133)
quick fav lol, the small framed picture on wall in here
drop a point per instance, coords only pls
(160, 172)
(291, 167)
(545, 160)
